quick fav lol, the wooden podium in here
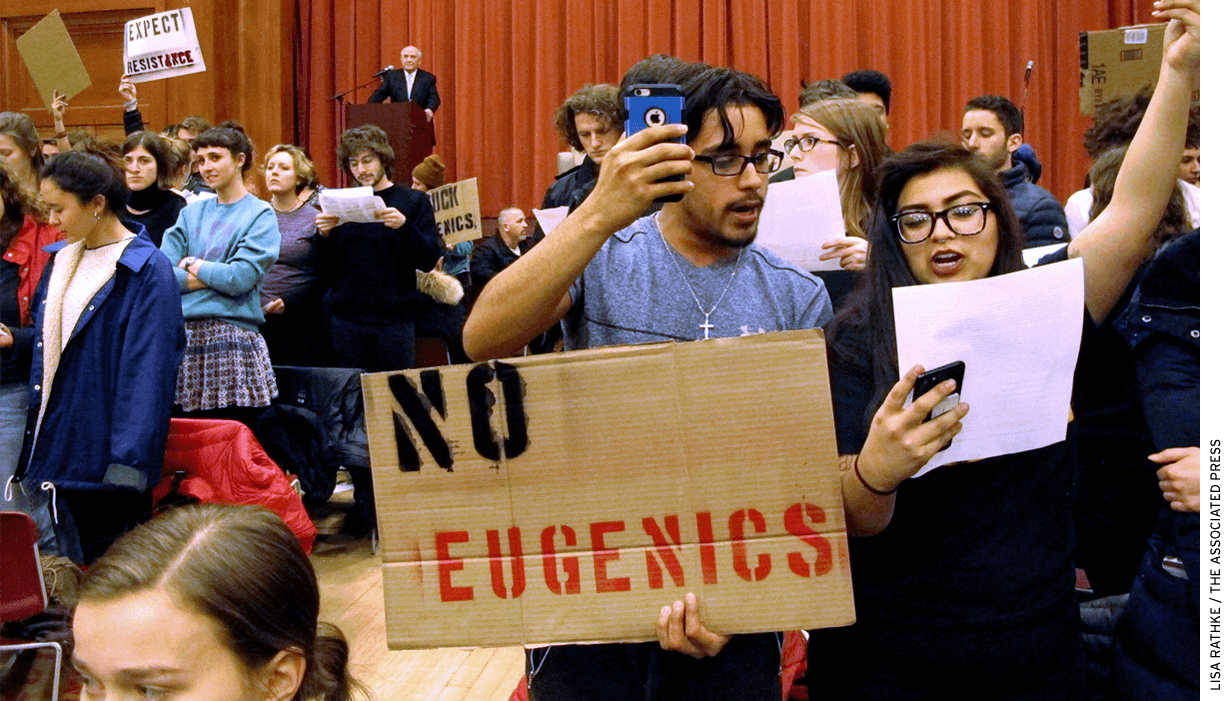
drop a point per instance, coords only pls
(411, 135)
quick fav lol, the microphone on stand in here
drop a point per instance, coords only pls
(1029, 68)
(386, 69)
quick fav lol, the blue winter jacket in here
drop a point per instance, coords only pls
(1041, 215)
(109, 411)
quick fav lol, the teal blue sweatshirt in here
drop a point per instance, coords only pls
(237, 243)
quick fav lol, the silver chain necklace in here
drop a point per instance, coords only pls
(705, 326)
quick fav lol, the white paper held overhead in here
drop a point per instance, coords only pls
(548, 219)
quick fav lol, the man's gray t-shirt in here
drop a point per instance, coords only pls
(631, 292)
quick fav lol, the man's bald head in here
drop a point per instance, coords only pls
(410, 58)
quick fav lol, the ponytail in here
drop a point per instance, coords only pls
(327, 677)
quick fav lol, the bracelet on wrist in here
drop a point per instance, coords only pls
(61, 134)
(870, 488)
(130, 106)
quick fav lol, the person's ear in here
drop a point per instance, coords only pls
(283, 675)
(1014, 142)
(854, 160)
(240, 159)
(98, 205)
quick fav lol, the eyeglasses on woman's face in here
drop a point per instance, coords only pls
(965, 219)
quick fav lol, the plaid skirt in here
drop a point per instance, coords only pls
(223, 366)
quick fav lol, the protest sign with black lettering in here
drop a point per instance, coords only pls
(457, 214)
(568, 497)
(162, 46)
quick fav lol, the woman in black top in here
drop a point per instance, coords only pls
(148, 171)
(964, 579)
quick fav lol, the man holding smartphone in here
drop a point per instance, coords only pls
(688, 272)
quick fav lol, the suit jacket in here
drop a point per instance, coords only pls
(490, 257)
(422, 92)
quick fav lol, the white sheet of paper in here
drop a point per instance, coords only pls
(798, 216)
(351, 204)
(1035, 254)
(1018, 334)
(548, 219)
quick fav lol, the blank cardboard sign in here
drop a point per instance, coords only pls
(52, 59)
(568, 497)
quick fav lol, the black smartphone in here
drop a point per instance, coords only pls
(929, 379)
(654, 105)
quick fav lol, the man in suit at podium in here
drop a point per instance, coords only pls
(422, 85)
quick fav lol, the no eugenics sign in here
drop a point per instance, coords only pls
(162, 46)
(567, 498)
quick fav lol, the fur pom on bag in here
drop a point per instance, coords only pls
(440, 286)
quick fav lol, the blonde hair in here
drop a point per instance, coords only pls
(305, 170)
(856, 125)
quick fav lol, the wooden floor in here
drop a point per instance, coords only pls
(352, 597)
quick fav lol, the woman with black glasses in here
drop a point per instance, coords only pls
(964, 578)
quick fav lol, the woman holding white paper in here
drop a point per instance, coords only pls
(964, 583)
(845, 136)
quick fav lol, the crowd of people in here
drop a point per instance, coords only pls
(145, 280)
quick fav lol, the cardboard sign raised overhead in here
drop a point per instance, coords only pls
(52, 58)
(569, 497)
(1120, 62)
(457, 212)
(162, 46)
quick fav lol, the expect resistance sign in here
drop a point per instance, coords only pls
(567, 498)
(162, 46)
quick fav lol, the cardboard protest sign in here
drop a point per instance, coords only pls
(52, 58)
(457, 212)
(568, 497)
(1120, 62)
(162, 46)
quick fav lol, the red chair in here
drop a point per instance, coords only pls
(22, 591)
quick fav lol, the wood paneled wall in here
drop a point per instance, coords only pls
(248, 56)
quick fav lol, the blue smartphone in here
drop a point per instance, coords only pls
(654, 105)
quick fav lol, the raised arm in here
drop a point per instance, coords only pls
(532, 294)
(58, 106)
(1115, 244)
(132, 114)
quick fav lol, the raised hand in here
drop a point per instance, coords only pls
(1181, 45)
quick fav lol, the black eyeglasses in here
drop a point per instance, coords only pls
(735, 164)
(807, 142)
(917, 225)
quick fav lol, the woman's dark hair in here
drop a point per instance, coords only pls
(15, 204)
(156, 145)
(719, 88)
(368, 137)
(863, 333)
(88, 173)
(230, 136)
(241, 567)
(873, 81)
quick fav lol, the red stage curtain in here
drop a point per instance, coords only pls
(503, 67)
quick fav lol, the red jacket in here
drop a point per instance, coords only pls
(225, 464)
(26, 250)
